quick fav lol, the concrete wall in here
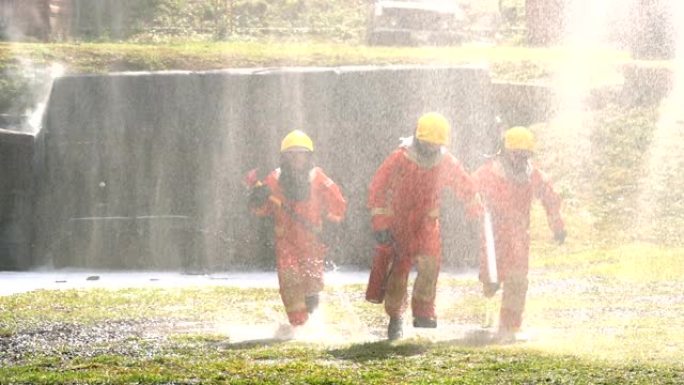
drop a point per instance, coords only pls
(144, 170)
(16, 195)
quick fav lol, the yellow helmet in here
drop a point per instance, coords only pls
(296, 141)
(519, 138)
(433, 128)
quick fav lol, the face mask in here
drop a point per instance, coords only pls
(295, 182)
(427, 153)
(517, 165)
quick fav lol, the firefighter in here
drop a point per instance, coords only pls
(404, 200)
(299, 197)
(507, 184)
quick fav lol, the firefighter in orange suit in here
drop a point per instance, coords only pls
(507, 184)
(404, 201)
(299, 197)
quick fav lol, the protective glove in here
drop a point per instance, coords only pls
(490, 288)
(383, 237)
(559, 236)
(259, 195)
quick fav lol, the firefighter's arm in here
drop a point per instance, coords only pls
(379, 191)
(335, 204)
(464, 188)
(543, 189)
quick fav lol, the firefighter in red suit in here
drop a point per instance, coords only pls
(300, 197)
(404, 200)
(508, 183)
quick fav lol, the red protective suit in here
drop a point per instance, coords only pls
(299, 251)
(508, 201)
(405, 198)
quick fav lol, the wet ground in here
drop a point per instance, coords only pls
(21, 282)
(590, 317)
(144, 337)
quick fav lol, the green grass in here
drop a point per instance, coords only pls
(24, 66)
(107, 57)
(606, 315)
(633, 263)
(88, 307)
(373, 363)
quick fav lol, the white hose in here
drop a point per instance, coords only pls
(492, 274)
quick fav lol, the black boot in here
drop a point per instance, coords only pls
(424, 322)
(395, 328)
(311, 302)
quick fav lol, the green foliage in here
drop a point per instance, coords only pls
(621, 139)
(22, 85)
(635, 175)
(163, 20)
(627, 186)
(14, 91)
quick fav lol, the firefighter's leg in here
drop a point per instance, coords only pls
(312, 281)
(513, 302)
(428, 259)
(396, 298)
(424, 291)
(292, 293)
(382, 262)
(395, 295)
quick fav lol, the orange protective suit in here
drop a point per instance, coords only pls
(509, 200)
(299, 251)
(404, 198)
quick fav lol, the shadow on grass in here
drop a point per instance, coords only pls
(251, 344)
(406, 348)
(473, 339)
(380, 350)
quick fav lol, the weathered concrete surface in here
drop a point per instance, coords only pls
(16, 163)
(144, 170)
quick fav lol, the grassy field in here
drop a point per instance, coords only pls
(24, 67)
(597, 316)
(506, 61)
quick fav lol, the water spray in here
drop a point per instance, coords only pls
(35, 115)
